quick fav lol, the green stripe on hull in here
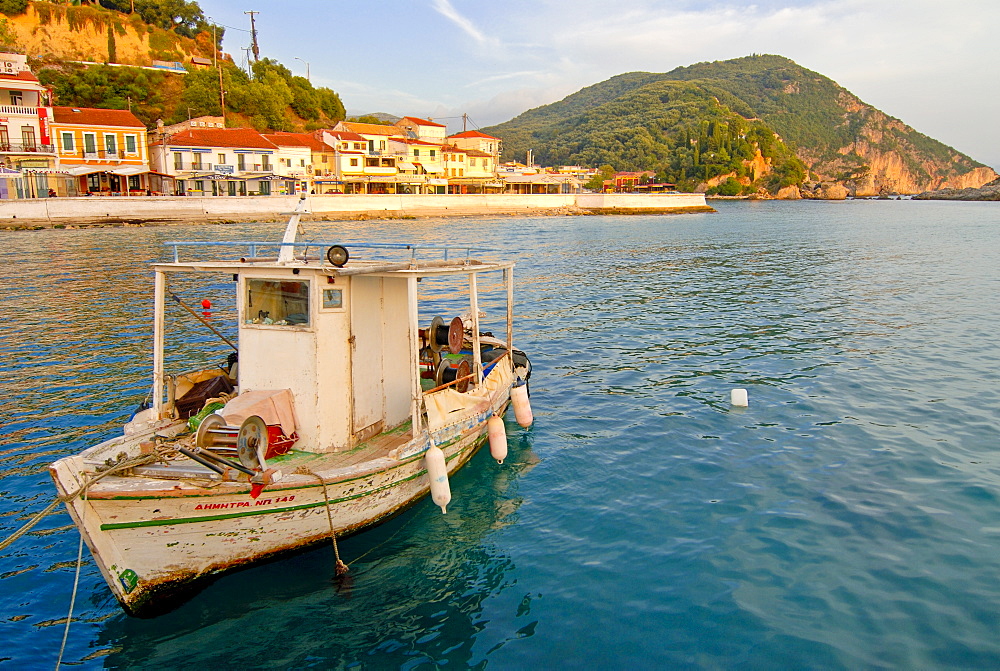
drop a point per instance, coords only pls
(273, 511)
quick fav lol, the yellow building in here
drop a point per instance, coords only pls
(102, 150)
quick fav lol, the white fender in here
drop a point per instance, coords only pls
(522, 408)
(437, 472)
(498, 438)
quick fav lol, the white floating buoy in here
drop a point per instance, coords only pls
(437, 472)
(522, 407)
(738, 397)
(498, 438)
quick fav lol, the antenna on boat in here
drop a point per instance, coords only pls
(292, 229)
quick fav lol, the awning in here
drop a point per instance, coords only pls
(218, 177)
(129, 170)
(8, 171)
(405, 165)
(81, 170)
(432, 168)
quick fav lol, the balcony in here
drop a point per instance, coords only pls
(26, 147)
(94, 155)
(19, 109)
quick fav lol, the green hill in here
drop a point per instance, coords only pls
(703, 126)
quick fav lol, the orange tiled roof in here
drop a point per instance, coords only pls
(221, 137)
(96, 117)
(420, 122)
(370, 128)
(473, 133)
(346, 136)
(23, 75)
(285, 139)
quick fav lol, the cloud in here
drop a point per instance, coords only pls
(446, 9)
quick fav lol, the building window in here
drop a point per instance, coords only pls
(90, 145)
(111, 144)
(265, 161)
(4, 139)
(67, 141)
(265, 189)
(199, 185)
(354, 162)
(433, 152)
(15, 98)
(133, 182)
(416, 153)
(93, 182)
(222, 159)
(196, 164)
(130, 144)
(178, 161)
(302, 162)
(241, 162)
(472, 162)
(28, 136)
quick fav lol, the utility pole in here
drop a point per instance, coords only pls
(253, 37)
(465, 122)
(247, 56)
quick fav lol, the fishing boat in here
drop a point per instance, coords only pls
(335, 410)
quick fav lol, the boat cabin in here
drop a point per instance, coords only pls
(340, 345)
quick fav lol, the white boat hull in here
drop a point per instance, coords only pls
(150, 543)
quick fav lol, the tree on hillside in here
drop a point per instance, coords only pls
(112, 88)
(184, 18)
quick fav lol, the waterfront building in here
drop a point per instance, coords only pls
(103, 152)
(28, 163)
(422, 160)
(293, 161)
(426, 130)
(349, 151)
(474, 139)
(212, 161)
(376, 135)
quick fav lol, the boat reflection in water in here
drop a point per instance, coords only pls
(420, 585)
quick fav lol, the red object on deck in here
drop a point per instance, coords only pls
(206, 304)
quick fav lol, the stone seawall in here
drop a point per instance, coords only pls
(150, 210)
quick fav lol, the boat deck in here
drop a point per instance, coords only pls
(180, 467)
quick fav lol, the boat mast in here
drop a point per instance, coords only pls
(159, 298)
(292, 229)
(416, 392)
(508, 274)
(477, 355)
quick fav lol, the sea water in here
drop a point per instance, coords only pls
(849, 517)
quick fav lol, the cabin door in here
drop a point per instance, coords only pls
(366, 354)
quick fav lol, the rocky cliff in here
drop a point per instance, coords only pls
(52, 32)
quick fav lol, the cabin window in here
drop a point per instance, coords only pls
(277, 302)
(333, 299)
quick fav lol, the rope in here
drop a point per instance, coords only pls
(76, 585)
(341, 567)
(121, 466)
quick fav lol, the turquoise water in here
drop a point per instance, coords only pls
(848, 518)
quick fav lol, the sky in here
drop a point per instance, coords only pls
(931, 64)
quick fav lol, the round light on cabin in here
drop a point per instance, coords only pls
(337, 256)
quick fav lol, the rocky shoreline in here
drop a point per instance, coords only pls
(987, 192)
